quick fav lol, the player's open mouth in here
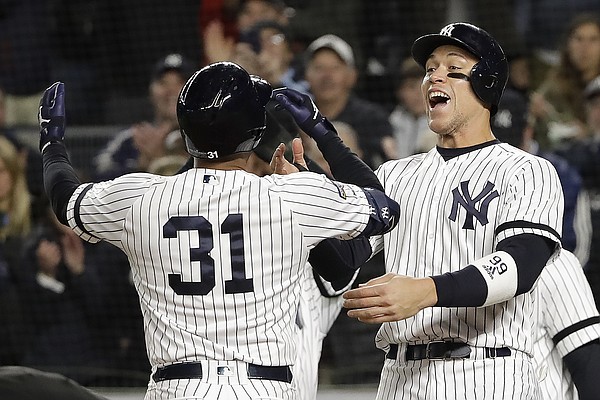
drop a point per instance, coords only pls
(438, 98)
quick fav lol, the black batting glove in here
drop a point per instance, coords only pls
(305, 112)
(51, 117)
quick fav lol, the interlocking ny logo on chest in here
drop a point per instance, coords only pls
(476, 207)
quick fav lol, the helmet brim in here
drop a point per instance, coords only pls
(425, 45)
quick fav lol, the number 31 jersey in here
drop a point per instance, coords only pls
(218, 256)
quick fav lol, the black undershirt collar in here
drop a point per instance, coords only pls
(448, 154)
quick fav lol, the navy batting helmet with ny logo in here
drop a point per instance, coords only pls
(489, 76)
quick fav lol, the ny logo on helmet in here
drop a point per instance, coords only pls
(447, 30)
(469, 203)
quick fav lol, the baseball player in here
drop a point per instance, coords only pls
(218, 252)
(320, 305)
(479, 220)
(566, 349)
(320, 301)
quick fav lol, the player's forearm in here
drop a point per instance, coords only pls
(584, 363)
(60, 179)
(337, 260)
(345, 165)
(500, 276)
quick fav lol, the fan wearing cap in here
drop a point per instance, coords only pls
(134, 149)
(479, 221)
(331, 74)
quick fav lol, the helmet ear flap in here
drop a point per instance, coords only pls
(189, 146)
(263, 88)
(486, 83)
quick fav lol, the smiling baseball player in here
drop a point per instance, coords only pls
(479, 221)
(217, 252)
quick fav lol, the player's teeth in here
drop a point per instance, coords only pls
(438, 94)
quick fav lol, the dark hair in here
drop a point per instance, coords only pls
(568, 79)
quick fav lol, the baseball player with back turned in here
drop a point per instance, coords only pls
(320, 300)
(566, 351)
(218, 252)
(479, 220)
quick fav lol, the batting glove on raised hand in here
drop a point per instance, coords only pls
(51, 117)
(304, 111)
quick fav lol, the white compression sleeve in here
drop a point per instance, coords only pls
(499, 270)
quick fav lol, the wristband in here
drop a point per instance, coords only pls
(499, 270)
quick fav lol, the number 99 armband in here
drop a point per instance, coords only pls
(499, 270)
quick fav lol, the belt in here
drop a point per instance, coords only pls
(193, 370)
(443, 351)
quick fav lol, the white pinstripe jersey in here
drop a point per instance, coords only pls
(568, 316)
(455, 212)
(218, 256)
(316, 315)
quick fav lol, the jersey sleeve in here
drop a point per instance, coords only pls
(97, 211)
(376, 241)
(323, 208)
(533, 202)
(570, 315)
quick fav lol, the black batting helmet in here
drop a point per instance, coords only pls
(489, 76)
(221, 110)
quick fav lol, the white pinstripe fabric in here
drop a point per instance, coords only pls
(502, 378)
(317, 313)
(197, 390)
(427, 241)
(283, 217)
(565, 298)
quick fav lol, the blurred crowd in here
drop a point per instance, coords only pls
(70, 307)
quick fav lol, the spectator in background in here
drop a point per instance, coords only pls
(411, 129)
(223, 24)
(31, 159)
(80, 322)
(264, 50)
(253, 11)
(135, 148)
(584, 155)
(61, 297)
(331, 75)
(15, 200)
(510, 126)
(15, 224)
(557, 105)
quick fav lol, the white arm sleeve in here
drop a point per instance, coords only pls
(499, 270)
